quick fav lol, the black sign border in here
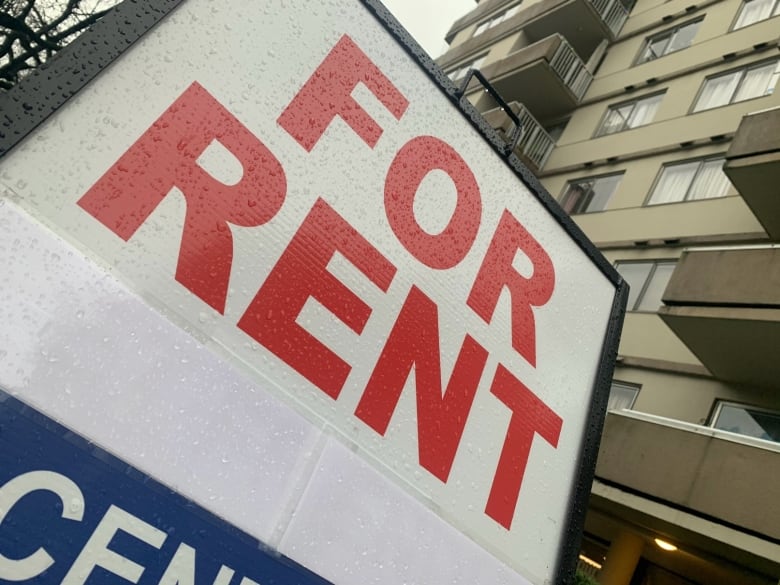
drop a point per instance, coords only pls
(43, 92)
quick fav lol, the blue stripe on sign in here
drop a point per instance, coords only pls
(71, 514)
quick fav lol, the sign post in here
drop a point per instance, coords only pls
(416, 342)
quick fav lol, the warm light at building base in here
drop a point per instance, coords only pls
(665, 545)
(589, 561)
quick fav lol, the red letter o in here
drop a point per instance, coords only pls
(411, 165)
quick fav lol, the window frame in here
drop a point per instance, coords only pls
(612, 107)
(563, 197)
(670, 32)
(717, 408)
(655, 263)
(775, 11)
(625, 386)
(701, 160)
(743, 72)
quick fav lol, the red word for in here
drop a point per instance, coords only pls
(166, 155)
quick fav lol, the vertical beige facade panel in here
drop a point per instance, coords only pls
(646, 335)
(687, 398)
(639, 175)
(726, 217)
(673, 127)
(719, 16)
(619, 71)
(580, 128)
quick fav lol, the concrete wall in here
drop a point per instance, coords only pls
(639, 174)
(743, 277)
(673, 124)
(709, 474)
(687, 397)
(618, 70)
(725, 217)
(753, 165)
(647, 336)
(757, 134)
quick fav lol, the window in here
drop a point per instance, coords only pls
(743, 419)
(647, 281)
(753, 11)
(690, 180)
(622, 395)
(461, 70)
(591, 194)
(676, 39)
(630, 114)
(496, 19)
(735, 86)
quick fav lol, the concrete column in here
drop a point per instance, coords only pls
(622, 558)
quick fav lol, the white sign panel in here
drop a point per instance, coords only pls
(290, 187)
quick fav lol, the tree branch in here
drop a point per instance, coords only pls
(14, 24)
(66, 12)
(80, 26)
(24, 47)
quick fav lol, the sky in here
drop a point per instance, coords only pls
(429, 20)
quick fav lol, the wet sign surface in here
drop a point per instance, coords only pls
(295, 192)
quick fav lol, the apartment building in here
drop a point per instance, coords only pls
(657, 127)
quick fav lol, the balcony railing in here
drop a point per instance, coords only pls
(568, 65)
(548, 77)
(534, 144)
(612, 12)
(584, 23)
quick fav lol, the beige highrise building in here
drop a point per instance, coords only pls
(657, 127)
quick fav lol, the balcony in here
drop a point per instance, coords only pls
(584, 23)
(724, 304)
(476, 15)
(547, 77)
(753, 165)
(534, 145)
(701, 469)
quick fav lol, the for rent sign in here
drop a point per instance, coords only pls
(289, 186)
(166, 157)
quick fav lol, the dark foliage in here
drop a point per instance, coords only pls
(32, 31)
(581, 578)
